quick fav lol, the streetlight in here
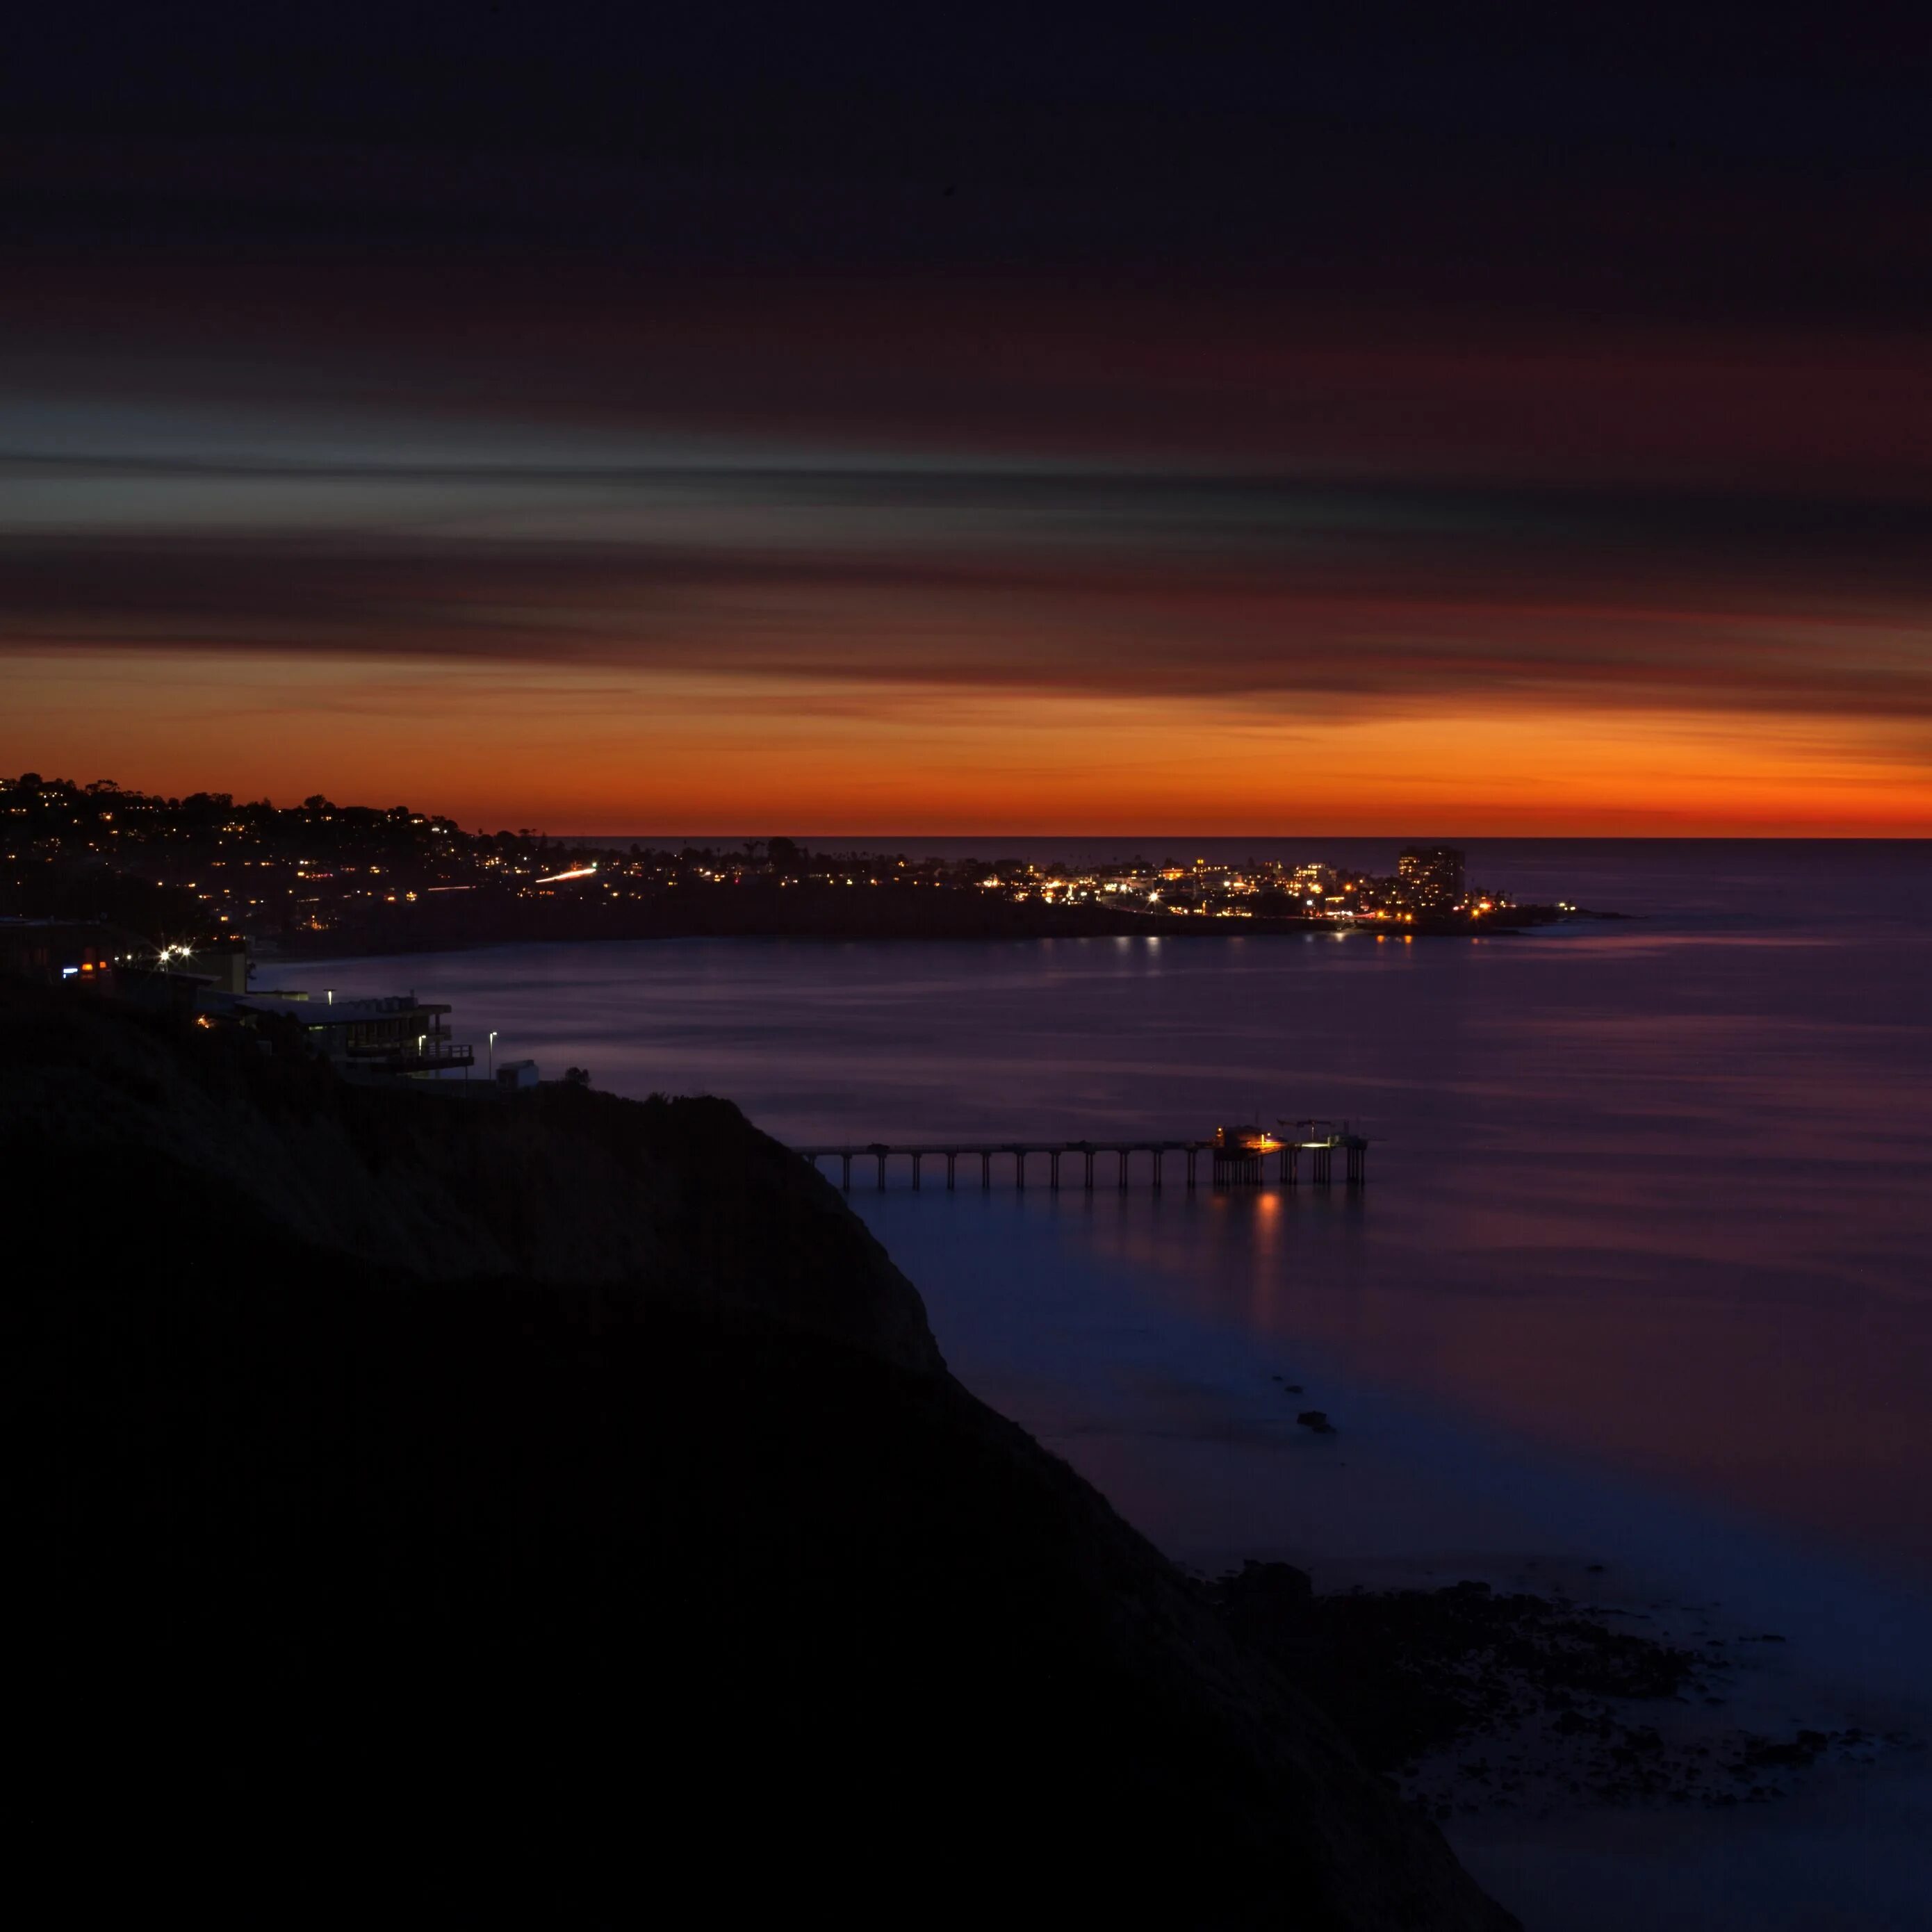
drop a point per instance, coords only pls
(493, 1056)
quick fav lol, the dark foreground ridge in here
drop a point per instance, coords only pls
(560, 1508)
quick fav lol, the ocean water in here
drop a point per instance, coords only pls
(1642, 1277)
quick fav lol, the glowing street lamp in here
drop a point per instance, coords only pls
(493, 1056)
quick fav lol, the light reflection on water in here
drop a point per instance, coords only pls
(1641, 1274)
(1643, 1195)
(1640, 1277)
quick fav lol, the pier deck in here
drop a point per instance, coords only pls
(1238, 1167)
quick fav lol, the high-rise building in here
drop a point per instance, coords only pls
(1432, 876)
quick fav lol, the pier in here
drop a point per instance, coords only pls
(1235, 1159)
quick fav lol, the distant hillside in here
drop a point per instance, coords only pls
(557, 1506)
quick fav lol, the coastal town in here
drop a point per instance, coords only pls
(319, 878)
(208, 907)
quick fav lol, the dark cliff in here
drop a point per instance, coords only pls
(559, 1504)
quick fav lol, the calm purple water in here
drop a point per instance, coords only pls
(1643, 1274)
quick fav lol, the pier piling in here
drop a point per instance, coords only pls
(1238, 1161)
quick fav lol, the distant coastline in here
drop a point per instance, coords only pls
(319, 879)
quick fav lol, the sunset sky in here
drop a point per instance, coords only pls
(1418, 426)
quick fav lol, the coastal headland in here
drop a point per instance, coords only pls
(560, 1503)
(323, 880)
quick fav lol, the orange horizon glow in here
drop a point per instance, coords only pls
(890, 556)
(1211, 571)
(600, 752)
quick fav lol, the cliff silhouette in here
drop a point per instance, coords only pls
(557, 1506)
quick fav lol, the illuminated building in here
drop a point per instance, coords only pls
(1431, 876)
(398, 1036)
(60, 951)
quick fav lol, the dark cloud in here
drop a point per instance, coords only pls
(1395, 357)
(1099, 583)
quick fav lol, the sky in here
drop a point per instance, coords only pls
(858, 420)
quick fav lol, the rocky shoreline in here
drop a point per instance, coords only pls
(1478, 1700)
